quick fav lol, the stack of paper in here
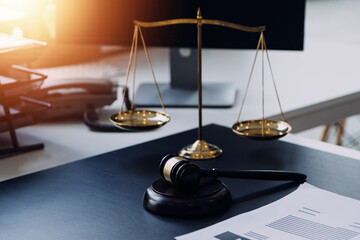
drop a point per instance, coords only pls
(307, 213)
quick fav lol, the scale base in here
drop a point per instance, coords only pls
(163, 198)
(215, 95)
(200, 150)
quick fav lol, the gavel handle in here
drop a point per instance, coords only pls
(256, 174)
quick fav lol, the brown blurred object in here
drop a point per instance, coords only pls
(17, 110)
(339, 127)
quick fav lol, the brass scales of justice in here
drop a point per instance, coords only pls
(139, 120)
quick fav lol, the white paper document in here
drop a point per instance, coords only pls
(307, 213)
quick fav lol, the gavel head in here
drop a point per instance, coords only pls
(180, 172)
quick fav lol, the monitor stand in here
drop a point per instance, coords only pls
(182, 90)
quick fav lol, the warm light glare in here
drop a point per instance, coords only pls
(34, 18)
(19, 5)
(27, 7)
(17, 32)
(7, 14)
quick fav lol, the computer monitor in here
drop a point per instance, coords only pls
(111, 22)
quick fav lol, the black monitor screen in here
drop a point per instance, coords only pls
(111, 22)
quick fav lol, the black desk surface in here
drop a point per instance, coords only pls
(101, 197)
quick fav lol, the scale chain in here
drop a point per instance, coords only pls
(134, 69)
(248, 83)
(152, 70)
(273, 79)
(128, 68)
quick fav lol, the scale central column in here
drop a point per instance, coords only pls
(200, 149)
(199, 42)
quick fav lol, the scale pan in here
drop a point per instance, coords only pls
(255, 129)
(139, 120)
